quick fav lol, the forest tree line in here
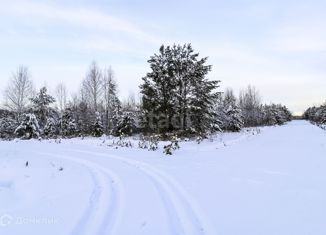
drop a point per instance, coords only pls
(316, 115)
(176, 98)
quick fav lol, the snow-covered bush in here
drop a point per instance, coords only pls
(150, 142)
(153, 142)
(122, 142)
(143, 143)
(199, 139)
(28, 127)
(170, 148)
(7, 127)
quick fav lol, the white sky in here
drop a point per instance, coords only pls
(278, 45)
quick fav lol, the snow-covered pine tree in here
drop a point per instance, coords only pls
(275, 114)
(158, 93)
(29, 127)
(115, 115)
(98, 129)
(232, 118)
(203, 118)
(51, 128)
(308, 114)
(112, 104)
(68, 124)
(280, 116)
(82, 115)
(319, 114)
(323, 114)
(311, 114)
(176, 96)
(269, 117)
(126, 125)
(41, 106)
(286, 113)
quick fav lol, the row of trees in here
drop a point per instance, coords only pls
(94, 111)
(316, 114)
(176, 98)
(248, 111)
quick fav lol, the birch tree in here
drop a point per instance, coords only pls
(19, 90)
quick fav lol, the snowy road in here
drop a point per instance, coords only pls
(270, 183)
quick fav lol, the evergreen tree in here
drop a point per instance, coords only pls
(158, 93)
(322, 115)
(286, 112)
(230, 113)
(269, 117)
(176, 96)
(112, 104)
(82, 114)
(126, 124)
(234, 118)
(115, 113)
(68, 124)
(275, 115)
(41, 106)
(98, 126)
(203, 117)
(316, 114)
(51, 128)
(280, 115)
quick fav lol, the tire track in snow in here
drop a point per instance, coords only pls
(185, 216)
(111, 214)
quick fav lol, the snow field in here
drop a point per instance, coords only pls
(266, 181)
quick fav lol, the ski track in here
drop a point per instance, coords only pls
(109, 218)
(185, 216)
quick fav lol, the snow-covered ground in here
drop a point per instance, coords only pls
(244, 183)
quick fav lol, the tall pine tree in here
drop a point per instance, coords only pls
(177, 96)
(41, 106)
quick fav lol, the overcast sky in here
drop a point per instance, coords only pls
(278, 45)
